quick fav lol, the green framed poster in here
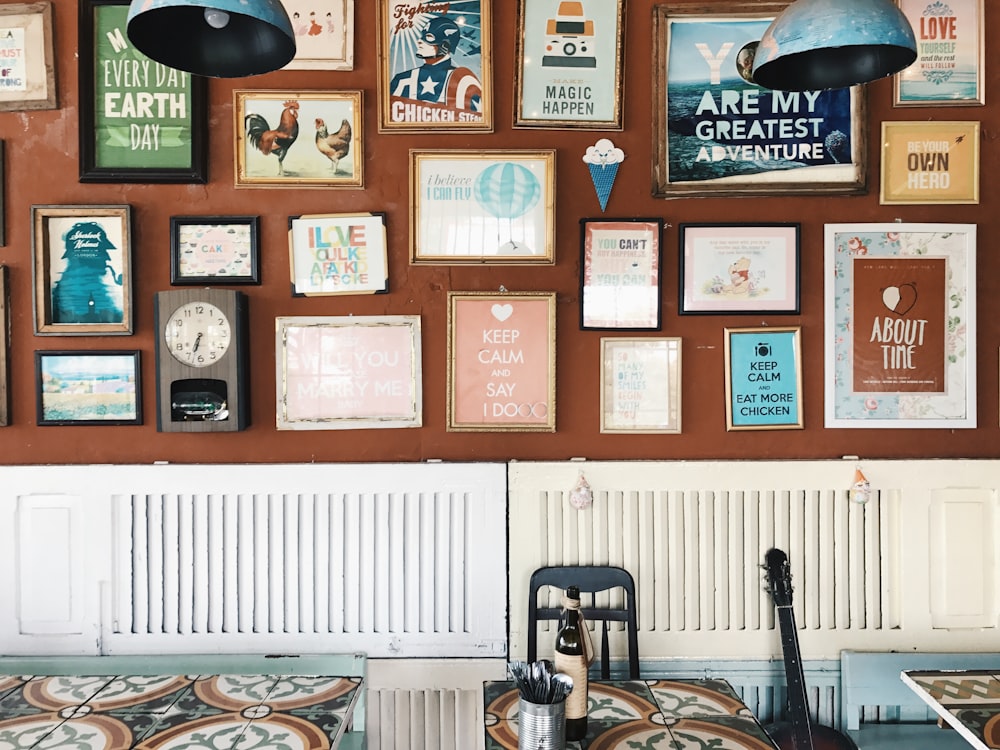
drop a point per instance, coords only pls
(763, 378)
(140, 121)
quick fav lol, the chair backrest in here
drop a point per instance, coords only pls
(590, 579)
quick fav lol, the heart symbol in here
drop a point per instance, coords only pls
(900, 299)
(502, 312)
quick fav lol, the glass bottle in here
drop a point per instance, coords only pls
(571, 658)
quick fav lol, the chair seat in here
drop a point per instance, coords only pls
(923, 736)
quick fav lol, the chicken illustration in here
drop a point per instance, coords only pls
(333, 146)
(276, 141)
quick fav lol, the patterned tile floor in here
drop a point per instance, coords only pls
(643, 715)
(969, 700)
(221, 712)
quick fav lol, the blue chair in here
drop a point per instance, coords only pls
(590, 579)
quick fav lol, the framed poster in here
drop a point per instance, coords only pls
(82, 258)
(620, 281)
(87, 388)
(482, 207)
(716, 134)
(434, 66)
(28, 69)
(568, 65)
(140, 121)
(950, 65)
(900, 325)
(4, 348)
(501, 362)
(739, 268)
(763, 378)
(641, 385)
(270, 125)
(324, 34)
(929, 161)
(214, 250)
(338, 254)
(352, 372)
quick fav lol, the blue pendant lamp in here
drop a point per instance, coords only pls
(830, 44)
(217, 38)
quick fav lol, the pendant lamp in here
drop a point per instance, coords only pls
(831, 44)
(216, 38)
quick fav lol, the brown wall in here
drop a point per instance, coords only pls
(42, 168)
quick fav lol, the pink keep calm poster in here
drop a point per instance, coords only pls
(502, 362)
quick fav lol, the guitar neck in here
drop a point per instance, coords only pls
(798, 704)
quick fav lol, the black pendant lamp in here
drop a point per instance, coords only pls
(216, 38)
(830, 44)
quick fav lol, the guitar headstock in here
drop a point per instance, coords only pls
(779, 577)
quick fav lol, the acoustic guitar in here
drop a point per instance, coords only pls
(798, 732)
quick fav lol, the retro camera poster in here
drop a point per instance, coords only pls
(570, 64)
(764, 383)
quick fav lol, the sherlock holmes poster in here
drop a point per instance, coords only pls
(720, 133)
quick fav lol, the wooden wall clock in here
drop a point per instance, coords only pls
(202, 381)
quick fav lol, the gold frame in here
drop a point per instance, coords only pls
(388, 22)
(839, 177)
(501, 309)
(41, 73)
(467, 160)
(588, 77)
(355, 322)
(312, 42)
(43, 255)
(672, 347)
(4, 348)
(764, 376)
(962, 132)
(251, 162)
(899, 81)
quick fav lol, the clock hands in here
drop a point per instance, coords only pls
(197, 342)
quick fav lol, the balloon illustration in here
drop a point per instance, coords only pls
(508, 191)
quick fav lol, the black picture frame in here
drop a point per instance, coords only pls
(621, 274)
(88, 387)
(739, 268)
(143, 93)
(243, 265)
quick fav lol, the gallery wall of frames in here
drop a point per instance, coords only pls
(475, 230)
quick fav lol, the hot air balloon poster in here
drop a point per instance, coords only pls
(900, 325)
(482, 207)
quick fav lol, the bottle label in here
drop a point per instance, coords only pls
(575, 667)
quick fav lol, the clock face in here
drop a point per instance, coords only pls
(198, 334)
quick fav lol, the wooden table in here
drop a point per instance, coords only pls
(968, 699)
(628, 714)
(182, 709)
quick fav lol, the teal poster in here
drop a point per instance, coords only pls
(142, 109)
(765, 379)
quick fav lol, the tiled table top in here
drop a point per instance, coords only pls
(969, 700)
(639, 714)
(156, 712)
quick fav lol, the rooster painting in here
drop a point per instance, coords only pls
(276, 141)
(334, 146)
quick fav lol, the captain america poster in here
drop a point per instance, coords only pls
(718, 133)
(435, 66)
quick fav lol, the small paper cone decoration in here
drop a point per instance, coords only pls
(861, 490)
(603, 159)
(581, 496)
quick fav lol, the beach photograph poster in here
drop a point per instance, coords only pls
(434, 63)
(900, 325)
(948, 70)
(718, 134)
